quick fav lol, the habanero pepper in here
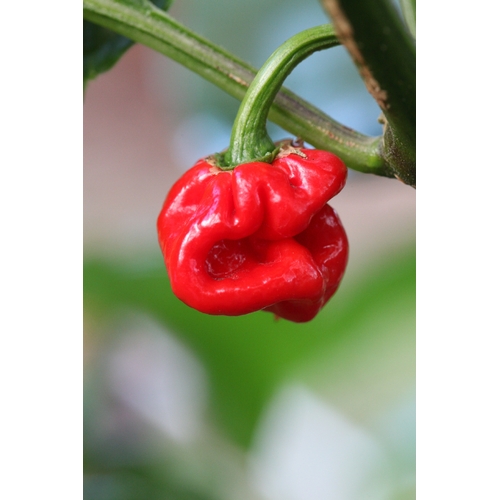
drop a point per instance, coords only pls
(250, 229)
(260, 236)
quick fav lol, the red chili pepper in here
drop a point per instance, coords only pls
(258, 237)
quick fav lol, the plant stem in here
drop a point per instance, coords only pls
(384, 52)
(144, 23)
(409, 9)
(249, 138)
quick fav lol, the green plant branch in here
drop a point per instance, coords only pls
(144, 23)
(384, 52)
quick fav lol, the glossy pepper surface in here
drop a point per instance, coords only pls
(258, 237)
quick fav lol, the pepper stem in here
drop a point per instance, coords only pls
(249, 138)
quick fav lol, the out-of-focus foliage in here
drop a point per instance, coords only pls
(102, 48)
(248, 356)
(359, 342)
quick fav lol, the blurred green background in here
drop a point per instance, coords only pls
(179, 405)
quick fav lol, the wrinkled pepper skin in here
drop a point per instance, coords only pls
(259, 237)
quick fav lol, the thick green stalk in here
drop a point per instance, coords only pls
(249, 138)
(409, 9)
(384, 51)
(143, 23)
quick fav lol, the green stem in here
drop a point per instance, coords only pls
(384, 51)
(249, 138)
(144, 23)
(409, 9)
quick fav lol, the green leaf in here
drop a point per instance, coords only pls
(102, 47)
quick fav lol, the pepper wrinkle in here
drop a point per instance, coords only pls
(262, 238)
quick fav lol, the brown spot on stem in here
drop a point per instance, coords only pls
(237, 79)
